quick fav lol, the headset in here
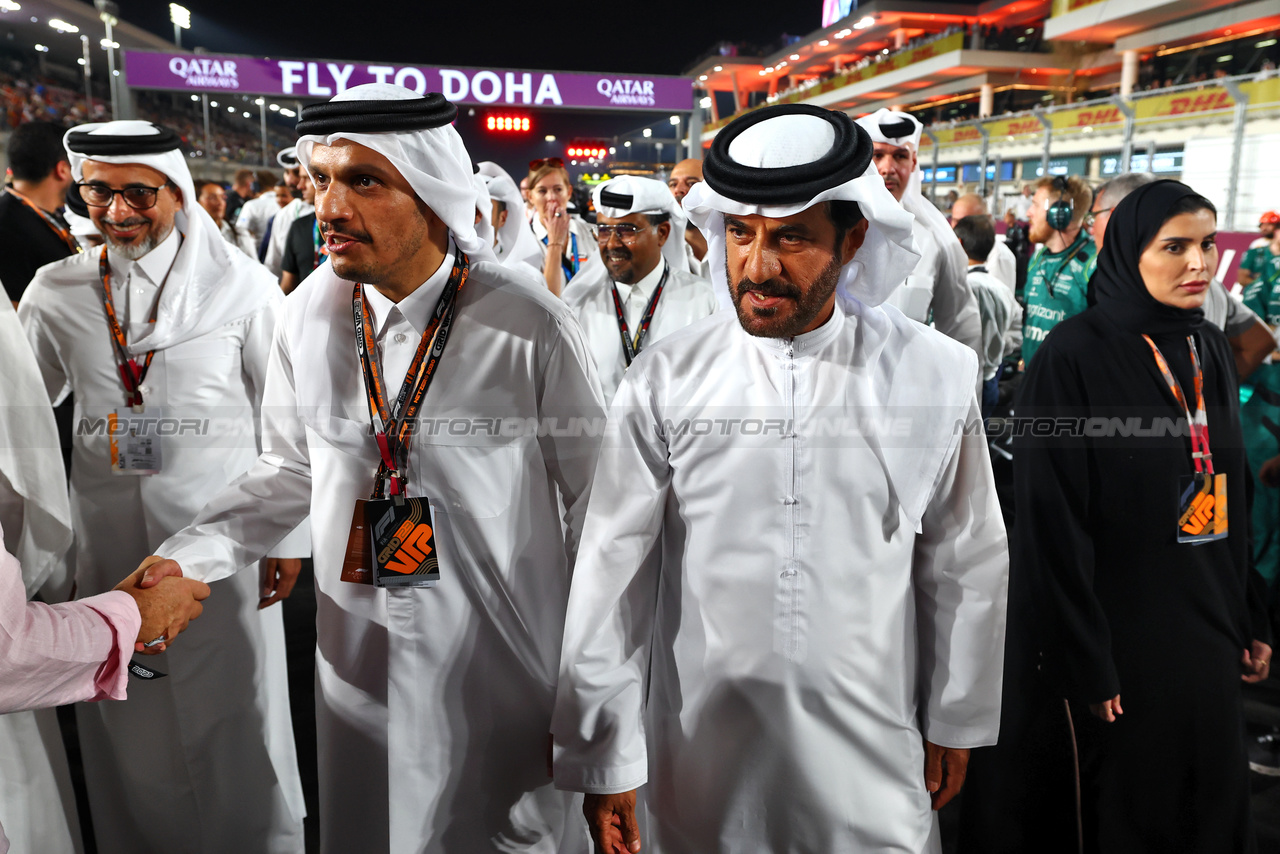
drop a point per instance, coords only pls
(1059, 213)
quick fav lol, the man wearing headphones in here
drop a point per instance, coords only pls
(1057, 277)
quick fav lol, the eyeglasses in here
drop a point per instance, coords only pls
(98, 195)
(626, 232)
(1092, 216)
(535, 165)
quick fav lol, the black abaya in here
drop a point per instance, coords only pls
(1121, 607)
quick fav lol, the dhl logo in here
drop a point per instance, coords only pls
(1106, 116)
(1198, 104)
(965, 134)
(410, 545)
(1024, 126)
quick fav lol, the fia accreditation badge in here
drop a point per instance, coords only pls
(1202, 508)
(135, 441)
(402, 536)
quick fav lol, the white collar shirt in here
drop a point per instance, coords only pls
(635, 296)
(140, 282)
(398, 326)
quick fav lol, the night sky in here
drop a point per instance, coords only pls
(637, 36)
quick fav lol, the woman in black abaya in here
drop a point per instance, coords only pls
(1145, 605)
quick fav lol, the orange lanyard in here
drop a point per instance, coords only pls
(131, 373)
(1198, 423)
(393, 425)
(63, 233)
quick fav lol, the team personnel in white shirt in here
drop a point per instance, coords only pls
(643, 291)
(787, 618)
(433, 703)
(165, 333)
(1001, 263)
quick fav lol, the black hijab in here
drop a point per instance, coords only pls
(1117, 284)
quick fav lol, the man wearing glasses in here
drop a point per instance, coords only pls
(163, 335)
(645, 291)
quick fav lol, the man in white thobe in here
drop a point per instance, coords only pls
(937, 291)
(787, 614)
(212, 739)
(644, 290)
(514, 243)
(37, 804)
(284, 219)
(433, 704)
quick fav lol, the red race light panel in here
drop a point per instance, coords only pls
(507, 124)
(592, 153)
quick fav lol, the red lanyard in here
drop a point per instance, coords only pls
(63, 233)
(131, 373)
(1199, 422)
(631, 347)
(393, 425)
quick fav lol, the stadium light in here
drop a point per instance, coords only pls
(9, 6)
(648, 132)
(181, 18)
(62, 26)
(865, 22)
(675, 120)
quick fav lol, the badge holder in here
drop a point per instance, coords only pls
(135, 441)
(403, 541)
(1202, 508)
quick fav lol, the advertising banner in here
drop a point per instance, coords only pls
(321, 79)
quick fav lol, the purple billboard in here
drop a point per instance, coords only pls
(310, 79)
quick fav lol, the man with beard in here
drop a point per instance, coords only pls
(1058, 275)
(937, 291)
(644, 292)
(169, 325)
(787, 612)
(433, 697)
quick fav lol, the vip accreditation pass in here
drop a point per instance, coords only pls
(135, 441)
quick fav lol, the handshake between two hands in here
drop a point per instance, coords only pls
(168, 602)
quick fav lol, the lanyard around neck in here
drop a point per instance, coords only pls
(1198, 422)
(64, 234)
(393, 424)
(631, 346)
(131, 373)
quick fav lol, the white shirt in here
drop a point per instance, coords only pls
(1002, 264)
(226, 694)
(285, 217)
(684, 300)
(743, 631)
(1000, 315)
(398, 327)
(256, 213)
(444, 692)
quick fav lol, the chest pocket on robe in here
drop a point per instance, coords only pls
(198, 372)
(469, 480)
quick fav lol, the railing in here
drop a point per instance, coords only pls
(894, 62)
(1189, 102)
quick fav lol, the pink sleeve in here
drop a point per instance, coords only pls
(51, 655)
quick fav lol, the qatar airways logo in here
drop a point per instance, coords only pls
(626, 92)
(205, 73)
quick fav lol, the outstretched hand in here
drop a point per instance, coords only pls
(612, 820)
(944, 771)
(166, 601)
